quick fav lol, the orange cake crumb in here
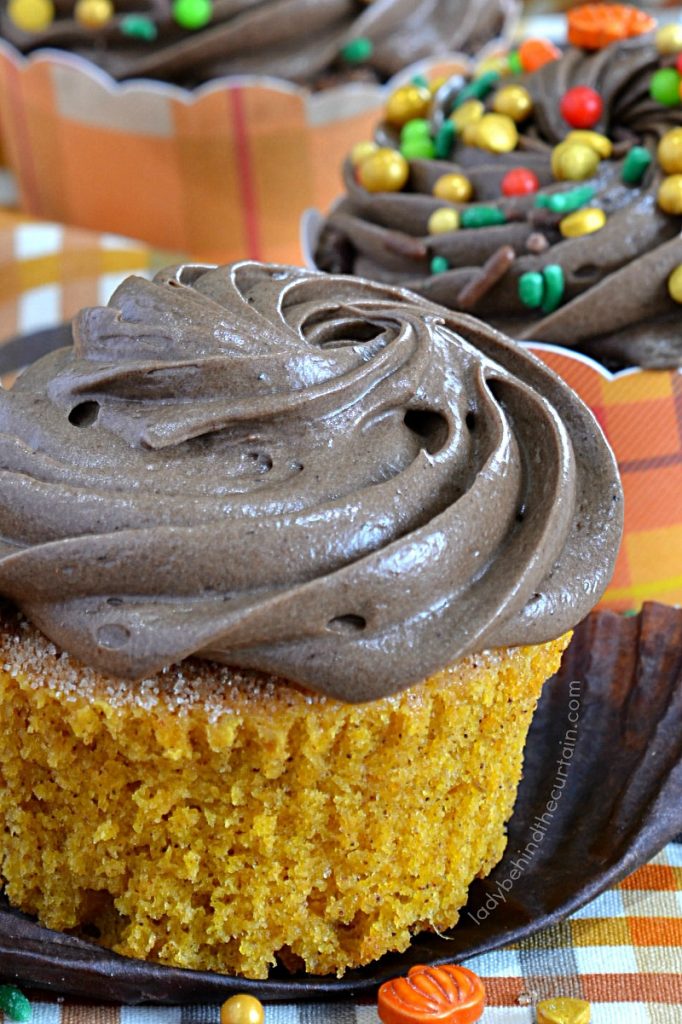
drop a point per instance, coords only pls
(215, 819)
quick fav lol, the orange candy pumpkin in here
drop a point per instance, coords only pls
(594, 26)
(432, 995)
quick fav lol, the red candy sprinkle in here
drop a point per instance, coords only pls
(678, 62)
(581, 107)
(520, 182)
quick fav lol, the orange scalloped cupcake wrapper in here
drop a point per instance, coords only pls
(221, 173)
(640, 412)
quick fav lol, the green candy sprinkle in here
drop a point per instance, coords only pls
(481, 217)
(137, 26)
(664, 87)
(478, 89)
(553, 276)
(514, 63)
(445, 139)
(14, 1003)
(630, 613)
(567, 202)
(531, 289)
(417, 128)
(418, 149)
(420, 80)
(439, 265)
(635, 165)
(357, 51)
(192, 14)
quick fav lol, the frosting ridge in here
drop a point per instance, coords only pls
(320, 477)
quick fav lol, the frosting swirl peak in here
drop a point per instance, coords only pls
(332, 480)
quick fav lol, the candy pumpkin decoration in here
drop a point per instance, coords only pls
(432, 995)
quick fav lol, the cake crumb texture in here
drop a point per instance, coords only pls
(225, 821)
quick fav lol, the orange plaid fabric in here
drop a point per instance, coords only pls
(641, 415)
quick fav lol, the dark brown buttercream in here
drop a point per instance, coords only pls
(330, 480)
(616, 305)
(300, 40)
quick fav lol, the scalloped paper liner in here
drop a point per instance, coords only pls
(219, 173)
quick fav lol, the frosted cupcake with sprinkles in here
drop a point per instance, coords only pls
(542, 195)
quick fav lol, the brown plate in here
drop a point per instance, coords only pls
(601, 794)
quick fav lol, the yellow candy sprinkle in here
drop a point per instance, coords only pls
(602, 145)
(497, 133)
(582, 222)
(563, 1010)
(31, 15)
(360, 152)
(498, 63)
(406, 103)
(469, 113)
(574, 161)
(383, 171)
(442, 220)
(93, 13)
(670, 194)
(242, 1009)
(669, 39)
(453, 188)
(514, 101)
(675, 284)
(670, 151)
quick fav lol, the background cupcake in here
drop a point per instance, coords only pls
(547, 202)
(225, 170)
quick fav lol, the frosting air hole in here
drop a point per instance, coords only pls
(112, 636)
(261, 462)
(84, 414)
(347, 624)
(430, 426)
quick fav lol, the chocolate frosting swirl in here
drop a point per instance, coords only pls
(299, 40)
(319, 477)
(616, 305)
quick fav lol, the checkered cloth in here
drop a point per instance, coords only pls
(622, 952)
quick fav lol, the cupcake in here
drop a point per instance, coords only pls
(288, 559)
(547, 202)
(192, 41)
(239, 113)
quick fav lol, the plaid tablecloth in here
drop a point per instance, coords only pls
(623, 952)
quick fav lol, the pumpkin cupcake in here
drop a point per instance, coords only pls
(292, 557)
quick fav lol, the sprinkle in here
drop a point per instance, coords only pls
(478, 89)
(482, 217)
(554, 287)
(138, 26)
(563, 1010)
(492, 271)
(439, 264)
(664, 87)
(537, 243)
(531, 289)
(514, 62)
(14, 1003)
(192, 14)
(357, 51)
(567, 202)
(445, 139)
